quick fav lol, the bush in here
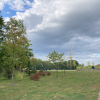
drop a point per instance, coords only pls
(30, 71)
(34, 71)
(35, 77)
(41, 70)
(8, 73)
(78, 67)
(40, 73)
(21, 70)
(43, 74)
(48, 73)
(19, 76)
(1, 70)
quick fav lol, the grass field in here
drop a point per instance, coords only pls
(74, 85)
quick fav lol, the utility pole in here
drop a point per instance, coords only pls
(70, 60)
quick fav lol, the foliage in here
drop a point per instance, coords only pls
(29, 68)
(35, 77)
(8, 73)
(96, 67)
(33, 62)
(2, 38)
(74, 63)
(34, 71)
(7, 65)
(21, 70)
(1, 69)
(43, 74)
(78, 67)
(16, 31)
(88, 65)
(38, 65)
(40, 73)
(41, 70)
(84, 67)
(54, 56)
(19, 76)
(16, 44)
(48, 73)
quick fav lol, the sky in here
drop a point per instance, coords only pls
(60, 25)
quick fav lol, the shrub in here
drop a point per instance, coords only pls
(43, 74)
(21, 70)
(40, 73)
(35, 77)
(8, 73)
(41, 70)
(19, 76)
(78, 67)
(30, 71)
(48, 73)
(34, 71)
(31, 77)
(1, 70)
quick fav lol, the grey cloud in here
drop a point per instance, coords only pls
(32, 21)
(78, 30)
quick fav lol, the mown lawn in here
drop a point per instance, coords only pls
(74, 85)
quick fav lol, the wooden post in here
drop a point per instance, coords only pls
(70, 60)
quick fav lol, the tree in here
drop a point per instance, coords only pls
(1, 41)
(1, 29)
(60, 59)
(29, 68)
(24, 56)
(15, 32)
(39, 64)
(82, 65)
(33, 62)
(88, 65)
(63, 63)
(74, 63)
(54, 56)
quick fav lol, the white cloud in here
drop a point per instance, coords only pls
(8, 12)
(17, 5)
(28, 2)
(2, 2)
(1, 5)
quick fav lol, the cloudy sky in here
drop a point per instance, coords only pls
(60, 25)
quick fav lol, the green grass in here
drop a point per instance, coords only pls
(74, 85)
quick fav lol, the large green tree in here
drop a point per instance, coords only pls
(16, 44)
(2, 38)
(27, 54)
